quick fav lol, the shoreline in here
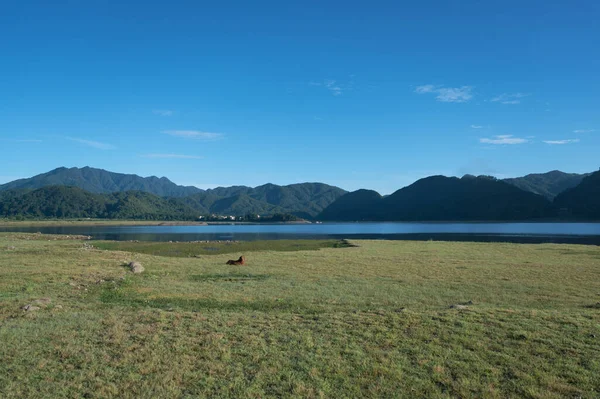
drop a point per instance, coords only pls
(107, 222)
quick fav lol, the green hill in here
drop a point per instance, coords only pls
(582, 201)
(102, 182)
(548, 184)
(355, 206)
(73, 202)
(53, 202)
(440, 198)
(239, 205)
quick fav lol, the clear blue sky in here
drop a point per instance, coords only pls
(352, 93)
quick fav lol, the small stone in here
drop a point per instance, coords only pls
(136, 267)
(30, 308)
(459, 307)
(58, 307)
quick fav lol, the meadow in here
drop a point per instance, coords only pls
(332, 319)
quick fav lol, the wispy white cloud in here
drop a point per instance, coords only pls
(584, 130)
(425, 89)
(335, 88)
(559, 142)
(447, 94)
(163, 112)
(177, 156)
(93, 144)
(503, 139)
(194, 134)
(510, 98)
(455, 94)
(476, 127)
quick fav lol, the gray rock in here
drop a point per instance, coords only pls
(136, 267)
(459, 307)
(30, 308)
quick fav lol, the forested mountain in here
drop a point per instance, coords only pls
(436, 198)
(355, 206)
(548, 184)
(304, 200)
(582, 201)
(443, 198)
(101, 181)
(53, 201)
(73, 202)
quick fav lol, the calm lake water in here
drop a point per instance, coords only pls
(586, 233)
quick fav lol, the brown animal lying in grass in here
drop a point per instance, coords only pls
(240, 261)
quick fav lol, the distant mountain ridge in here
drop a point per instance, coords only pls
(548, 184)
(440, 198)
(100, 181)
(77, 192)
(304, 200)
(582, 201)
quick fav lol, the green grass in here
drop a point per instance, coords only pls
(367, 321)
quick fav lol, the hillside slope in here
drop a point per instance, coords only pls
(582, 201)
(102, 182)
(548, 184)
(440, 198)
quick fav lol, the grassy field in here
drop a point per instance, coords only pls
(383, 319)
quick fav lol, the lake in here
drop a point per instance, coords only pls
(584, 233)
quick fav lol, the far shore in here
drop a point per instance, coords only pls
(106, 222)
(110, 222)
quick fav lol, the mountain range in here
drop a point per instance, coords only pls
(91, 192)
(305, 200)
(443, 198)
